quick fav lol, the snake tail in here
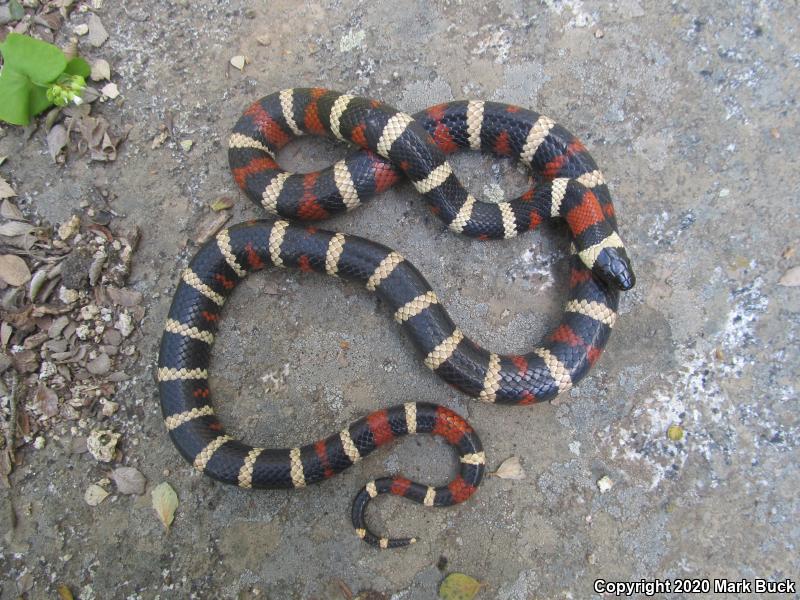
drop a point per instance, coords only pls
(186, 401)
(384, 426)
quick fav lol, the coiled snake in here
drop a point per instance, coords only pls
(394, 144)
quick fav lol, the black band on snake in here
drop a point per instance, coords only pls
(569, 186)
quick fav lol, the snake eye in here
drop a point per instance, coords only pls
(614, 267)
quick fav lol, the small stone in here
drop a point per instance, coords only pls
(186, 145)
(109, 407)
(57, 326)
(69, 228)
(605, 483)
(97, 33)
(263, 40)
(128, 480)
(83, 332)
(101, 70)
(110, 90)
(724, 193)
(102, 444)
(112, 337)
(599, 33)
(81, 29)
(100, 365)
(124, 324)
(39, 442)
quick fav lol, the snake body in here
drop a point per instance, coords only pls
(569, 186)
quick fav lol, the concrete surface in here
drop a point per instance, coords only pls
(689, 107)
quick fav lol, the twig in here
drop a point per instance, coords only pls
(11, 436)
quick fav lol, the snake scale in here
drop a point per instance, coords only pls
(393, 146)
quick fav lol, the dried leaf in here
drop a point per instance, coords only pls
(124, 296)
(9, 210)
(57, 138)
(458, 586)
(47, 400)
(100, 365)
(510, 468)
(187, 145)
(221, 203)
(94, 495)
(13, 270)
(128, 480)
(791, 278)
(5, 333)
(64, 593)
(165, 501)
(15, 228)
(6, 191)
(100, 70)
(675, 433)
(210, 225)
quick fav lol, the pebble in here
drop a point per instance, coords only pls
(605, 483)
(109, 407)
(69, 227)
(102, 444)
(124, 324)
(129, 480)
(100, 365)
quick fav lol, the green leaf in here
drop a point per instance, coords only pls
(39, 61)
(458, 586)
(14, 94)
(38, 100)
(78, 66)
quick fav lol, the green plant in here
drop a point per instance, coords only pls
(35, 76)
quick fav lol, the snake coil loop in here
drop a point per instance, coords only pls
(394, 144)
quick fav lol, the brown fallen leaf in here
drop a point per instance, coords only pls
(13, 270)
(15, 228)
(210, 225)
(239, 61)
(222, 203)
(124, 296)
(94, 495)
(165, 502)
(47, 400)
(64, 593)
(791, 278)
(6, 191)
(510, 468)
(57, 139)
(9, 210)
(458, 586)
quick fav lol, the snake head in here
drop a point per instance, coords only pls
(613, 266)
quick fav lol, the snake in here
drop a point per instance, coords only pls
(392, 146)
